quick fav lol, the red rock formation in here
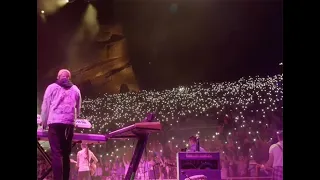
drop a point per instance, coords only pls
(110, 70)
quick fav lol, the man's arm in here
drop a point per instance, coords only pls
(78, 106)
(45, 107)
(77, 160)
(124, 162)
(202, 150)
(269, 163)
(94, 157)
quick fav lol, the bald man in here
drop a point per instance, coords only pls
(60, 107)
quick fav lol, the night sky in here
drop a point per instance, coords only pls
(179, 43)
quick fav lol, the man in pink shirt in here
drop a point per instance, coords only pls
(60, 107)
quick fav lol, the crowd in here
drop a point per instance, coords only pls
(238, 119)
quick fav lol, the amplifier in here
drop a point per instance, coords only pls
(196, 164)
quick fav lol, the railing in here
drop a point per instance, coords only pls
(236, 178)
(248, 178)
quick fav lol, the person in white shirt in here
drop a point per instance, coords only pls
(84, 158)
(276, 158)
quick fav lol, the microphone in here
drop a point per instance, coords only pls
(198, 145)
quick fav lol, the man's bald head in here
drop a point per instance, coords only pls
(64, 74)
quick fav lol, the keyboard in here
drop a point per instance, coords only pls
(77, 137)
(79, 123)
(131, 131)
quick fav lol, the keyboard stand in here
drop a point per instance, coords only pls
(140, 132)
(47, 159)
(140, 147)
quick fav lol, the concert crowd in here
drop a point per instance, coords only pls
(238, 119)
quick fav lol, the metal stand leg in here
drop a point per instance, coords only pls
(47, 159)
(140, 147)
(45, 174)
(43, 153)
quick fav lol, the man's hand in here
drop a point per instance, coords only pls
(262, 166)
(44, 125)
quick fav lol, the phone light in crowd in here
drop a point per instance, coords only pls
(254, 139)
(249, 132)
(42, 11)
(280, 64)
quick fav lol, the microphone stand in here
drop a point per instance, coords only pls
(198, 145)
(154, 173)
